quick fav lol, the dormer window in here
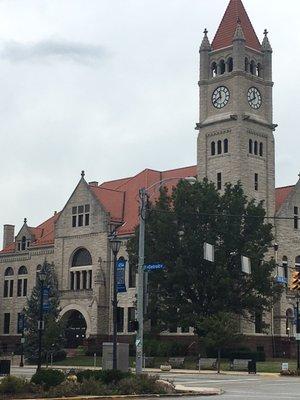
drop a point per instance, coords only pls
(80, 215)
(23, 243)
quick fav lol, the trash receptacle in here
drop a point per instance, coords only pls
(252, 367)
(4, 367)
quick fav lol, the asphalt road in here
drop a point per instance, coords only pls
(241, 387)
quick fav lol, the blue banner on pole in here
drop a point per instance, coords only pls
(154, 266)
(121, 265)
(281, 279)
(46, 300)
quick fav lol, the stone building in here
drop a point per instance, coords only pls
(235, 142)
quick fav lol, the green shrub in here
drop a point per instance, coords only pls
(105, 376)
(14, 385)
(94, 387)
(65, 389)
(48, 377)
(60, 355)
(88, 374)
(142, 384)
(157, 348)
(113, 376)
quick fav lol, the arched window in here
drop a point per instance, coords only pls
(250, 146)
(222, 67)
(214, 70)
(230, 64)
(297, 263)
(8, 290)
(261, 149)
(258, 70)
(246, 64)
(22, 282)
(22, 271)
(213, 148)
(81, 258)
(252, 68)
(225, 145)
(219, 147)
(23, 244)
(255, 148)
(9, 271)
(81, 271)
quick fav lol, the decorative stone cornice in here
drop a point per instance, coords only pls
(216, 133)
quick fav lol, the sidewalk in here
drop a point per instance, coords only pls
(29, 370)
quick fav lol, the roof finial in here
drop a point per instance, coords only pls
(82, 174)
(266, 47)
(25, 220)
(205, 45)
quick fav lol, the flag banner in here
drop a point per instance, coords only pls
(121, 265)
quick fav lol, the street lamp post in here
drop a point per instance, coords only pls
(115, 247)
(22, 317)
(42, 277)
(143, 198)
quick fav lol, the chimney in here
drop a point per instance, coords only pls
(93, 183)
(8, 235)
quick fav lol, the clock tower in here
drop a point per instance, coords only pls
(236, 141)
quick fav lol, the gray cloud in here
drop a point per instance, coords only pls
(47, 50)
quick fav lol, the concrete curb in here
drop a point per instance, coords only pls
(203, 392)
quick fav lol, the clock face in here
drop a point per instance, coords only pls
(220, 97)
(254, 98)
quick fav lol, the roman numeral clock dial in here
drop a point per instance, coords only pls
(254, 98)
(220, 97)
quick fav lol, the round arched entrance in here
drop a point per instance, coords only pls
(75, 328)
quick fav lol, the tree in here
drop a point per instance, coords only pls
(219, 331)
(191, 288)
(52, 339)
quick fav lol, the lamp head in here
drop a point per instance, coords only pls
(42, 276)
(115, 246)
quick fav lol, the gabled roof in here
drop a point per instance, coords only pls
(119, 198)
(234, 14)
(281, 194)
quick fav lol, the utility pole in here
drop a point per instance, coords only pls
(41, 319)
(140, 286)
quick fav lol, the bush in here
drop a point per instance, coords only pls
(241, 353)
(93, 387)
(65, 389)
(157, 348)
(48, 377)
(14, 385)
(105, 376)
(60, 355)
(142, 384)
(88, 374)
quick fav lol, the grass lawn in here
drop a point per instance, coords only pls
(190, 363)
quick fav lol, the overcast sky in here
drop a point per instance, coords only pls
(110, 86)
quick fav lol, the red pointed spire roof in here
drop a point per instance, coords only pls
(234, 14)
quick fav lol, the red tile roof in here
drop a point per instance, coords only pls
(225, 33)
(120, 199)
(281, 195)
